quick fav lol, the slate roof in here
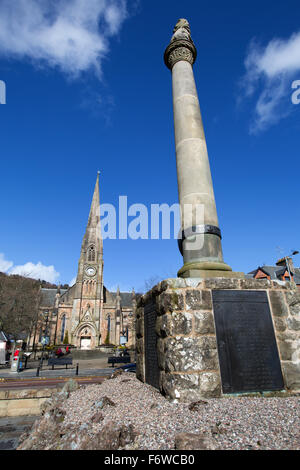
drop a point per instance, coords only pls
(67, 295)
(126, 298)
(275, 273)
(249, 276)
(297, 276)
(48, 297)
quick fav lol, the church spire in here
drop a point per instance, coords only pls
(88, 295)
(93, 230)
(95, 206)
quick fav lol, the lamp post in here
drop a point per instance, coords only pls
(46, 331)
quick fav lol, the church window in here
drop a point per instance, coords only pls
(63, 325)
(91, 253)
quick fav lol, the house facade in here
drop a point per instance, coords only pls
(284, 270)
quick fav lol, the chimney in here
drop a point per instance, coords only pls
(285, 261)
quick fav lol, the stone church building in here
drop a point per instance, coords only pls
(89, 314)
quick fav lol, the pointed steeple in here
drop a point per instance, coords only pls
(95, 206)
(90, 263)
(88, 295)
(93, 229)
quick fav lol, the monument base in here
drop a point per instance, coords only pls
(202, 338)
(208, 274)
(205, 270)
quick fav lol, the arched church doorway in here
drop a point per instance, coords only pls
(86, 337)
(85, 342)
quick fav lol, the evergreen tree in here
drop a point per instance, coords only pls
(66, 339)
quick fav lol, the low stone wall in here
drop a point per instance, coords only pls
(187, 354)
(23, 402)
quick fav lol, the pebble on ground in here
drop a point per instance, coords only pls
(237, 423)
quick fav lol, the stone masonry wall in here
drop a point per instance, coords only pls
(186, 339)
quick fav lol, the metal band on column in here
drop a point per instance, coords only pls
(198, 230)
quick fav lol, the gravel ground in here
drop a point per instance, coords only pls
(232, 423)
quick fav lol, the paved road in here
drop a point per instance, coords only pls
(11, 430)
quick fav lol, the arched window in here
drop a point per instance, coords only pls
(63, 326)
(91, 253)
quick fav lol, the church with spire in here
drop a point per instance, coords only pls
(87, 315)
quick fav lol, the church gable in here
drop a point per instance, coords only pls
(68, 296)
(87, 317)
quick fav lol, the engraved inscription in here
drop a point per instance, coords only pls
(151, 360)
(248, 354)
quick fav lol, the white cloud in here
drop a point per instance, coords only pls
(36, 271)
(71, 35)
(5, 265)
(270, 71)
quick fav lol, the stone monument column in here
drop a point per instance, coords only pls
(200, 244)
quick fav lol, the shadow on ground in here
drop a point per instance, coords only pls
(11, 430)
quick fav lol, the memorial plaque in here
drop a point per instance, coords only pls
(151, 360)
(248, 354)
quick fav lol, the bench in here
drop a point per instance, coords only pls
(118, 360)
(60, 361)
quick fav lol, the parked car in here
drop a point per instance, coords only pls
(127, 367)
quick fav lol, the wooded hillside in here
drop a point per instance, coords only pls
(19, 300)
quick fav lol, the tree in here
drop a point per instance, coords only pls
(151, 282)
(19, 301)
(107, 339)
(66, 338)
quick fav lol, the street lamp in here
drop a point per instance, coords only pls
(46, 312)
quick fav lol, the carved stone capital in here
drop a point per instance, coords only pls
(179, 50)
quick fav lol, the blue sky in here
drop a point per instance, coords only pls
(87, 90)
